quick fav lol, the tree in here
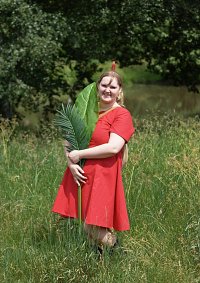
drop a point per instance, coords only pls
(171, 40)
(50, 48)
(163, 33)
(30, 43)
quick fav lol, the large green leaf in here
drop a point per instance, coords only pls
(78, 122)
(87, 105)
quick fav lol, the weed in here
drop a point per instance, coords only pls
(161, 180)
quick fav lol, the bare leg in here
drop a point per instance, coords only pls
(101, 235)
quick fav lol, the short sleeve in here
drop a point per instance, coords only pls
(123, 125)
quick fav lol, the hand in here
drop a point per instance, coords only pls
(77, 173)
(74, 156)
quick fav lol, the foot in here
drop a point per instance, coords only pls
(115, 247)
(100, 252)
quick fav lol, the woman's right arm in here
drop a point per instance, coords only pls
(75, 169)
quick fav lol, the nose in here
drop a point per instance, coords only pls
(107, 89)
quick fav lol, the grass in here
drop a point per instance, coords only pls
(162, 182)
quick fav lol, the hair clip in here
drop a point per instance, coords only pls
(113, 67)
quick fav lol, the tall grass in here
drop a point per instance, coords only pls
(162, 185)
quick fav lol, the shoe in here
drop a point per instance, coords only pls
(99, 251)
(114, 247)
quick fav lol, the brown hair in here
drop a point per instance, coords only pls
(120, 99)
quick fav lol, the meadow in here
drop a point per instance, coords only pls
(162, 186)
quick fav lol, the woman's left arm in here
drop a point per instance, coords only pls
(105, 150)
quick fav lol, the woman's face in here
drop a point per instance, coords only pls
(108, 90)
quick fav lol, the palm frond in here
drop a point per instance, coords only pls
(73, 127)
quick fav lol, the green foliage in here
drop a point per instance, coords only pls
(73, 75)
(87, 105)
(171, 41)
(73, 127)
(49, 49)
(77, 122)
(162, 190)
(30, 44)
(163, 33)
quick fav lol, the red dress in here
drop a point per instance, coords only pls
(103, 200)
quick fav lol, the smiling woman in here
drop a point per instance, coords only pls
(103, 200)
(110, 91)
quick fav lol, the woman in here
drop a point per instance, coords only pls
(103, 201)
